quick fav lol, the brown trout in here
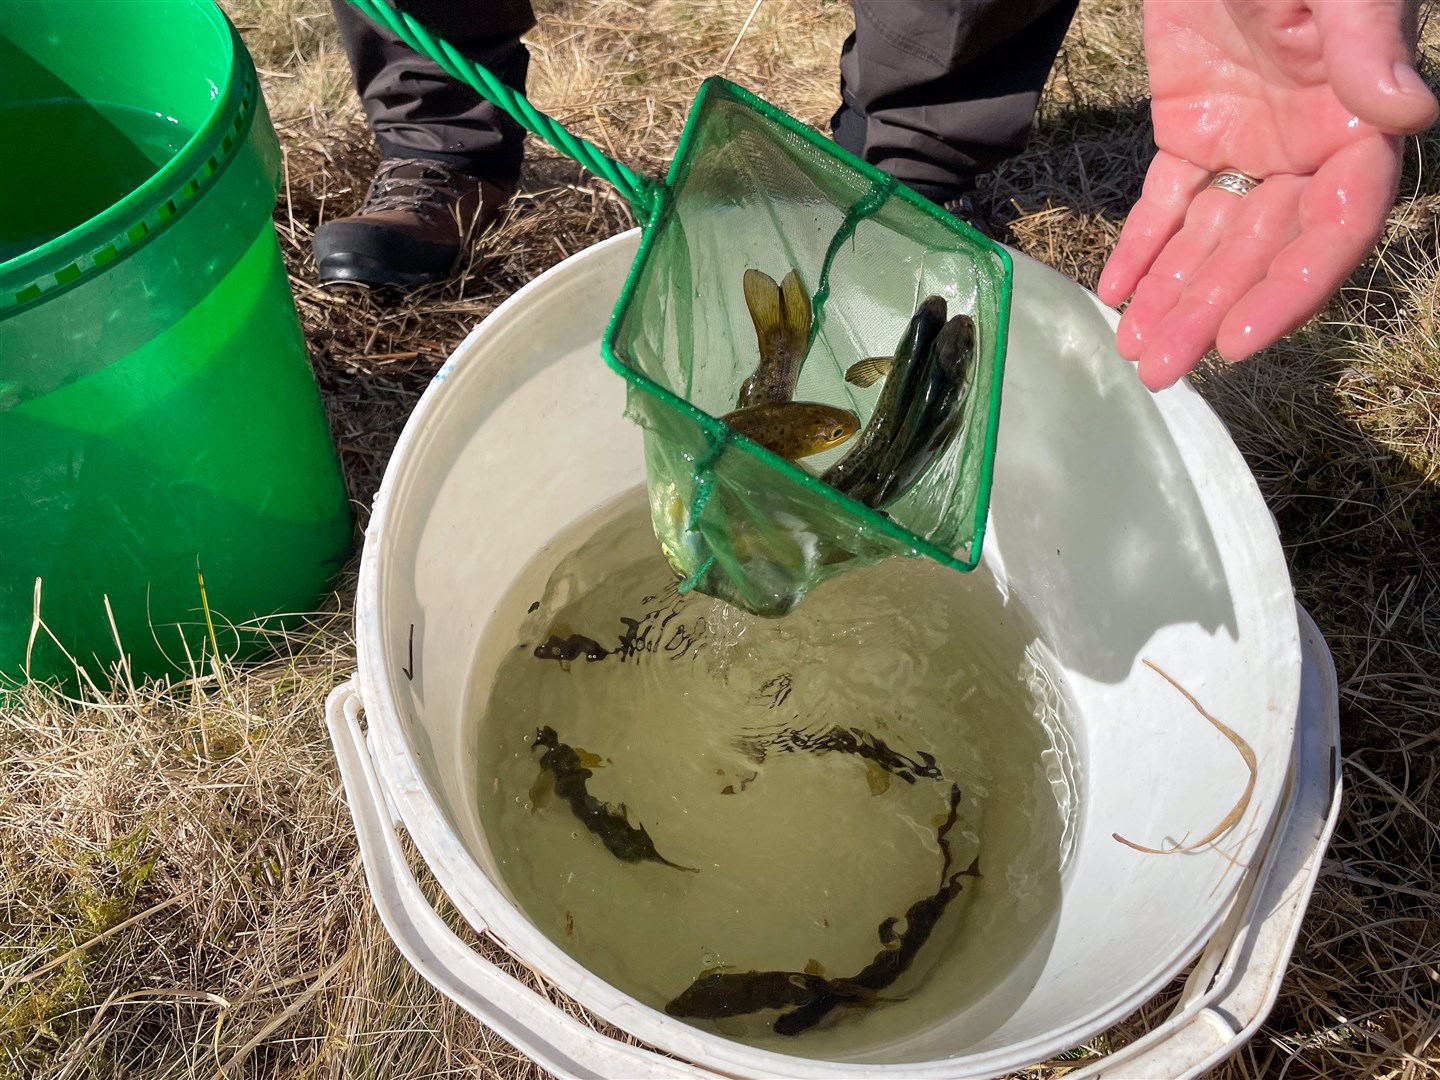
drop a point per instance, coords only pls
(781, 314)
(794, 429)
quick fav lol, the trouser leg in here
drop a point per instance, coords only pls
(936, 91)
(418, 111)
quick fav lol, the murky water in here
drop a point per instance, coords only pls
(792, 779)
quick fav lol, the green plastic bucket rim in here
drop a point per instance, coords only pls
(720, 435)
(126, 224)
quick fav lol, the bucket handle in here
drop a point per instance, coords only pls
(556, 1040)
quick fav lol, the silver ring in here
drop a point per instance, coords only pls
(1234, 181)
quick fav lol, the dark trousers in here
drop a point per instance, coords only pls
(415, 109)
(933, 91)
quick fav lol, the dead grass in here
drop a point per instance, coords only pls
(180, 893)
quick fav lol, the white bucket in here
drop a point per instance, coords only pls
(1125, 522)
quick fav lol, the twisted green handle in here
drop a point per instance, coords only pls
(637, 190)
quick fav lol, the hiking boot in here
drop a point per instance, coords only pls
(419, 218)
(966, 207)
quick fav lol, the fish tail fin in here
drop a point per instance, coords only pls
(864, 373)
(762, 299)
(795, 302)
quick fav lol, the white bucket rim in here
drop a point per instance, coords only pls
(488, 910)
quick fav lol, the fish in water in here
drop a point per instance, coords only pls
(860, 463)
(734, 993)
(897, 951)
(837, 740)
(794, 429)
(808, 994)
(782, 316)
(933, 417)
(623, 840)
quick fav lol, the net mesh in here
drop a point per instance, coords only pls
(752, 189)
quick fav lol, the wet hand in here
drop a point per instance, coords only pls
(1311, 99)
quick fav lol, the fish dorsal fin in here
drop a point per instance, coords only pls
(866, 373)
(762, 299)
(795, 302)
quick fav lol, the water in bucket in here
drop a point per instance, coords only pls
(134, 143)
(792, 779)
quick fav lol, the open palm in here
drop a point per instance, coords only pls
(1310, 97)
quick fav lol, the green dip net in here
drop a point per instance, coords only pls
(752, 189)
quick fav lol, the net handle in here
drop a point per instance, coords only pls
(637, 190)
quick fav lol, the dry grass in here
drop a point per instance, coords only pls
(180, 891)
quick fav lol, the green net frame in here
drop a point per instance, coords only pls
(845, 226)
(751, 187)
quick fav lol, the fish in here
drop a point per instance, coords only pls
(782, 317)
(871, 749)
(866, 373)
(808, 994)
(904, 380)
(570, 648)
(794, 429)
(897, 952)
(630, 843)
(933, 416)
(735, 993)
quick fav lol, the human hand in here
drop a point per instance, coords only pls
(1310, 97)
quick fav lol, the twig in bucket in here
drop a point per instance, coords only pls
(1231, 819)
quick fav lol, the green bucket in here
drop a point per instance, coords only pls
(158, 415)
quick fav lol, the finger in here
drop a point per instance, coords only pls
(1262, 224)
(1154, 296)
(1304, 276)
(1171, 184)
(1341, 214)
(1368, 61)
(1187, 332)
(1206, 222)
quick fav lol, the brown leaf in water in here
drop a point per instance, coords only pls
(877, 778)
(542, 789)
(814, 967)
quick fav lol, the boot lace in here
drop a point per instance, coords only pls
(429, 188)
